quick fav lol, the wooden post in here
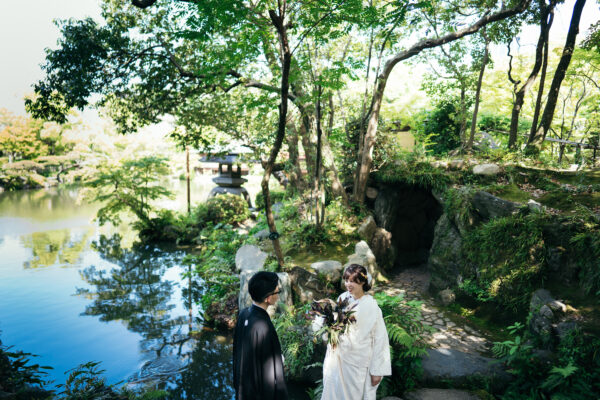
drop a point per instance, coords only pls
(187, 177)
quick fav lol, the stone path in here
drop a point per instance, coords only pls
(414, 284)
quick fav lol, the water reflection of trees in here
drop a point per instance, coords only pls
(209, 373)
(136, 292)
(49, 247)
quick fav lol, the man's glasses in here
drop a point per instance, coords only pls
(277, 292)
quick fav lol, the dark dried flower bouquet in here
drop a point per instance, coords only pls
(337, 316)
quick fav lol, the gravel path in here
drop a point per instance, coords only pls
(414, 284)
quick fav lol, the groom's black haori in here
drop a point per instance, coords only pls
(257, 360)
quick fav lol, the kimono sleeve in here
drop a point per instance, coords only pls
(380, 360)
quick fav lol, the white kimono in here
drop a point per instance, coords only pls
(362, 351)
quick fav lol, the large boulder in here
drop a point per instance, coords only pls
(331, 269)
(367, 229)
(440, 394)
(456, 368)
(307, 286)
(249, 258)
(382, 246)
(285, 296)
(365, 257)
(445, 255)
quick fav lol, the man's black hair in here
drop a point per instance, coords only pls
(262, 284)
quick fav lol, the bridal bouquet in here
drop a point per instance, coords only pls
(336, 317)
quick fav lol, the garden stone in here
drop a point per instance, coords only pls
(249, 258)
(440, 394)
(307, 286)
(489, 206)
(331, 269)
(365, 257)
(447, 297)
(456, 164)
(534, 206)
(453, 367)
(285, 296)
(542, 297)
(486, 169)
(262, 234)
(445, 255)
(383, 248)
(367, 229)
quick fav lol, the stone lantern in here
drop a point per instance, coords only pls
(230, 178)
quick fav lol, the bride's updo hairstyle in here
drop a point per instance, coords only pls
(358, 274)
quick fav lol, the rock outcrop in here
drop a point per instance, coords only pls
(307, 286)
(445, 255)
(249, 258)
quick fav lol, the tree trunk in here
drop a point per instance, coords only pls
(478, 91)
(520, 94)
(538, 101)
(462, 133)
(318, 170)
(540, 94)
(559, 75)
(370, 136)
(278, 22)
(295, 173)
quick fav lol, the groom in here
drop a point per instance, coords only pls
(257, 360)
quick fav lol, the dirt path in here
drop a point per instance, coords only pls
(414, 284)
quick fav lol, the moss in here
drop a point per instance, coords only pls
(559, 200)
(510, 192)
(415, 173)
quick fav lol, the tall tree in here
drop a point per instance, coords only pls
(377, 98)
(484, 61)
(545, 21)
(559, 74)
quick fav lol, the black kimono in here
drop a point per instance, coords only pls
(257, 360)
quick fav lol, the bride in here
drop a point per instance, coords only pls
(353, 369)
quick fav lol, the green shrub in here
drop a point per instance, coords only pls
(573, 374)
(508, 258)
(406, 333)
(216, 267)
(300, 231)
(297, 341)
(222, 209)
(276, 196)
(413, 171)
(16, 372)
(441, 127)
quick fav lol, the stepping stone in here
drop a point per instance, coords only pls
(440, 394)
(455, 367)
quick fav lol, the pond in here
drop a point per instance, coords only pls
(74, 292)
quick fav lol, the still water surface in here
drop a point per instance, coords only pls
(73, 292)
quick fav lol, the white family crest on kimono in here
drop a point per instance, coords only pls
(362, 351)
